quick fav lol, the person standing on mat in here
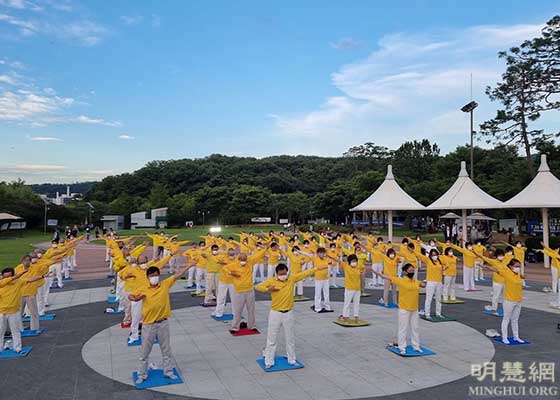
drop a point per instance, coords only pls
(281, 288)
(469, 258)
(555, 267)
(156, 310)
(322, 290)
(352, 287)
(296, 260)
(11, 289)
(225, 286)
(434, 287)
(390, 262)
(512, 297)
(213, 265)
(409, 293)
(449, 274)
(243, 288)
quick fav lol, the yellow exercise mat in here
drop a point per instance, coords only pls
(194, 294)
(301, 298)
(365, 294)
(449, 301)
(351, 323)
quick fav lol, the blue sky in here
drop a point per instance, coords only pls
(92, 88)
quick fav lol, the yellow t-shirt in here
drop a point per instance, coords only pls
(409, 291)
(322, 275)
(10, 294)
(296, 262)
(519, 253)
(273, 257)
(390, 265)
(352, 276)
(434, 269)
(212, 262)
(30, 288)
(283, 299)
(513, 290)
(451, 264)
(133, 284)
(224, 275)
(377, 256)
(244, 282)
(156, 304)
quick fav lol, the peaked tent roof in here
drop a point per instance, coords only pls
(542, 192)
(389, 196)
(464, 194)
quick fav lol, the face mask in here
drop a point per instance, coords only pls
(143, 266)
(231, 257)
(432, 244)
(134, 265)
(154, 280)
(392, 256)
(449, 254)
(214, 252)
(282, 277)
(469, 248)
(354, 264)
(517, 270)
(434, 258)
(518, 245)
(33, 260)
(242, 263)
(500, 258)
(410, 274)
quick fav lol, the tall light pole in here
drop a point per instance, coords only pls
(46, 203)
(203, 213)
(469, 108)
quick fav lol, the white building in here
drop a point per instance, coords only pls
(114, 222)
(156, 219)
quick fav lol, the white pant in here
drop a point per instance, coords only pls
(223, 289)
(66, 267)
(478, 270)
(270, 270)
(322, 287)
(408, 327)
(468, 278)
(56, 269)
(386, 286)
(211, 286)
(497, 292)
(239, 301)
(14, 321)
(554, 273)
(378, 267)
(299, 288)
(43, 296)
(449, 287)
(31, 303)
(200, 275)
(191, 275)
(433, 289)
(333, 272)
(260, 269)
(512, 309)
(349, 297)
(277, 319)
(107, 254)
(174, 263)
(120, 293)
(136, 317)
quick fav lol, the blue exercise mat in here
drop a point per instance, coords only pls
(225, 317)
(512, 341)
(67, 279)
(390, 305)
(500, 313)
(55, 288)
(30, 333)
(138, 342)
(12, 354)
(112, 299)
(156, 378)
(280, 364)
(110, 276)
(115, 311)
(410, 352)
(207, 304)
(46, 317)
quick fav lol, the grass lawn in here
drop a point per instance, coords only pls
(14, 246)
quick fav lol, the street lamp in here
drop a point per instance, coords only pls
(469, 108)
(46, 203)
(203, 213)
(91, 208)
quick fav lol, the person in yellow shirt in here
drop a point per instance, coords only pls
(213, 264)
(243, 288)
(273, 258)
(498, 281)
(156, 311)
(334, 254)
(390, 265)
(173, 247)
(519, 254)
(449, 274)
(434, 287)
(281, 287)
(352, 287)
(469, 258)
(555, 269)
(409, 293)
(194, 255)
(513, 296)
(408, 254)
(376, 259)
(259, 267)
(479, 249)
(133, 276)
(225, 286)
(296, 262)
(322, 290)
(11, 290)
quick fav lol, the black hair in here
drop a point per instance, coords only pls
(281, 267)
(410, 245)
(295, 248)
(468, 244)
(509, 249)
(391, 251)
(274, 244)
(215, 247)
(404, 241)
(201, 243)
(306, 241)
(152, 270)
(407, 266)
(25, 256)
(352, 257)
(447, 250)
(513, 261)
(8, 269)
(499, 252)
(321, 250)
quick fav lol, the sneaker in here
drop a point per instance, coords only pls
(254, 329)
(233, 331)
(418, 350)
(171, 375)
(505, 341)
(488, 308)
(381, 301)
(453, 298)
(439, 315)
(268, 366)
(519, 340)
(131, 340)
(445, 298)
(140, 379)
(292, 362)
(403, 351)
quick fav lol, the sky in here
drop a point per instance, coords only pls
(95, 88)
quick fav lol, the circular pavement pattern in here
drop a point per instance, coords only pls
(340, 363)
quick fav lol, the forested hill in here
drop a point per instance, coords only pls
(235, 188)
(50, 189)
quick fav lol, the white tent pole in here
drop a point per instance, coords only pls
(546, 228)
(390, 216)
(464, 226)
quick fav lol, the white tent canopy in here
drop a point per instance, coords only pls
(450, 215)
(480, 217)
(464, 194)
(542, 192)
(389, 197)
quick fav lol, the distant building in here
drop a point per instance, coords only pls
(62, 199)
(156, 219)
(114, 222)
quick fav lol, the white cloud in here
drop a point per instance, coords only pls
(7, 79)
(411, 87)
(40, 167)
(21, 5)
(23, 105)
(96, 121)
(345, 43)
(131, 19)
(44, 139)
(126, 137)
(102, 171)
